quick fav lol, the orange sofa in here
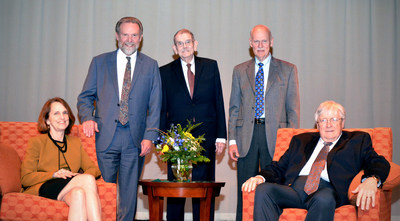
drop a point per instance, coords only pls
(20, 206)
(382, 143)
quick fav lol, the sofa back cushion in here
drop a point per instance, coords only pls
(10, 170)
(17, 134)
(382, 140)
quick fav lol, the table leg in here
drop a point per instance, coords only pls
(205, 205)
(155, 206)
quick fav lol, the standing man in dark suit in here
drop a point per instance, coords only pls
(264, 97)
(120, 100)
(295, 181)
(192, 91)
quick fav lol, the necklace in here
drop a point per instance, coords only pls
(61, 149)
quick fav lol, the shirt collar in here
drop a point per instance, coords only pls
(184, 63)
(333, 143)
(121, 54)
(266, 61)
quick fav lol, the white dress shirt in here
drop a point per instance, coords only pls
(121, 66)
(306, 169)
(185, 69)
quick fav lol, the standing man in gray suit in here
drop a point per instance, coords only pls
(119, 102)
(264, 97)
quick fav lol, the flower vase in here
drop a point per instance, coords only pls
(182, 170)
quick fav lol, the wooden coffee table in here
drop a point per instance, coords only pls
(158, 189)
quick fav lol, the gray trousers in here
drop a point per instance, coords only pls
(121, 164)
(249, 166)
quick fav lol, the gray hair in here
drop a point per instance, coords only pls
(129, 20)
(182, 31)
(329, 107)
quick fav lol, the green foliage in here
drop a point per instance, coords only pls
(178, 143)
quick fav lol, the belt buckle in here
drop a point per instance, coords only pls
(259, 121)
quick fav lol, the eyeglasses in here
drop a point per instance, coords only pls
(181, 43)
(257, 42)
(325, 121)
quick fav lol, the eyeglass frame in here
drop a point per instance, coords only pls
(181, 43)
(333, 120)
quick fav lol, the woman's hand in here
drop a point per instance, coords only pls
(63, 173)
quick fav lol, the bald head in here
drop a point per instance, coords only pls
(261, 41)
(261, 28)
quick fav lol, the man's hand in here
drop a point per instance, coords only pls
(89, 127)
(233, 152)
(146, 146)
(366, 193)
(251, 184)
(219, 147)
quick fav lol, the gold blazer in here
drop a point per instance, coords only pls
(41, 161)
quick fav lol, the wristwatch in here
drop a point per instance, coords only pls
(378, 181)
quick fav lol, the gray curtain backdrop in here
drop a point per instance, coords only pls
(345, 50)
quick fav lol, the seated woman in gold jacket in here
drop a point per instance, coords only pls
(52, 162)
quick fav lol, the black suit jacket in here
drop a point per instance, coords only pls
(352, 153)
(207, 105)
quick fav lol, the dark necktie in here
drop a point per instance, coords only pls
(190, 77)
(313, 178)
(123, 109)
(259, 91)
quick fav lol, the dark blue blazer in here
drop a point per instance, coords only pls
(352, 153)
(207, 105)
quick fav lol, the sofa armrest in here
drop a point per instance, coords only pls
(108, 199)
(248, 205)
(391, 182)
(373, 213)
(10, 170)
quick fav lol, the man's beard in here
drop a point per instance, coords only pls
(128, 50)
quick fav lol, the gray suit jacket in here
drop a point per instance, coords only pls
(99, 99)
(282, 103)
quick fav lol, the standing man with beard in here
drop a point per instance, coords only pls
(120, 100)
(264, 98)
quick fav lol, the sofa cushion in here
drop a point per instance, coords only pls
(10, 170)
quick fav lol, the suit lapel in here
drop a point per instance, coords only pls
(179, 75)
(339, 145)
(112, 69)
(250, 75)
(272, 75)
(197, 74)
(310, 146)
(138, 69)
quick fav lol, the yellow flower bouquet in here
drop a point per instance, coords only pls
(178, 144)
(179, 147)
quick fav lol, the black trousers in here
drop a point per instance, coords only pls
(271, 199)
(200, 172)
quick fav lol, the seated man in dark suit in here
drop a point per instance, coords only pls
(317, 169)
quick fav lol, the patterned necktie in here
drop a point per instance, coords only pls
(312, 182)
(260, 91)
(190, 77)
(123, 109)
